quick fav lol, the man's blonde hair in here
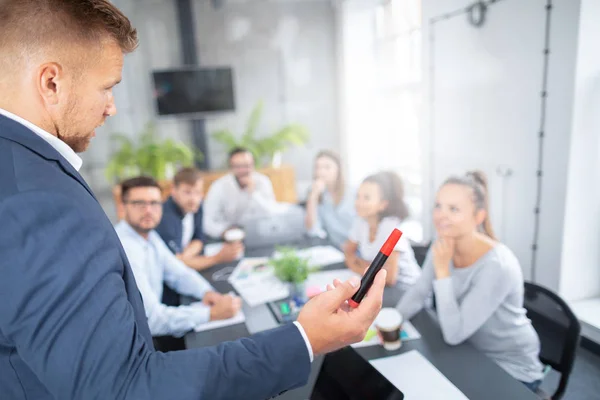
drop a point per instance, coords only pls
(28, 27)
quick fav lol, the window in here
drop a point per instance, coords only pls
(384, 123)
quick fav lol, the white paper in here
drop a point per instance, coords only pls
(256, 283)
(257, 293)
(409, 332)
(212, 249)
(319, 256)
(323, 278)
(417, 378)
(237, 319)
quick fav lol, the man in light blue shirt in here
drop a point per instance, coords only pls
(153, 263)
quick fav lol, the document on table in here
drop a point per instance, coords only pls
(256, 282)
(319, 256)
(212, 249)
(321, 279)
(237, 319)
(416, 377)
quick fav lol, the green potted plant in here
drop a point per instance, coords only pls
(149, 155)
(289, 267)
(266, 149)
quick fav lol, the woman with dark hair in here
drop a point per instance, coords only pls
(330, 204)
(381, 208)
(477, 282)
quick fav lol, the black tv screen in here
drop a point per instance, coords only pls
(193, 90)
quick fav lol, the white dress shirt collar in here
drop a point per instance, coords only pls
(188, 225)
(60, 146)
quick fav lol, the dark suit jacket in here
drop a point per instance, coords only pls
(72, 322)
(170, 228)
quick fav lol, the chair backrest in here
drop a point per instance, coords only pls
(558, 328)
(420, 251)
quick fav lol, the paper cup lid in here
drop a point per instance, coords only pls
(388, 318)
(234, 235)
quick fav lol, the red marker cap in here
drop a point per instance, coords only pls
(391, 242)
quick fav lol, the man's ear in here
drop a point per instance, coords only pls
(51, 82)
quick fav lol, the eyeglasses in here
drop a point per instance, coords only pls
(143, 204)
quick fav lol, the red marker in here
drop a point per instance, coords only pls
(376, 265)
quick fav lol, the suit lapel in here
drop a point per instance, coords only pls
(17, 133)
(20, 134)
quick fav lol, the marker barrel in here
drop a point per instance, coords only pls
(369, 277)
(375, 267)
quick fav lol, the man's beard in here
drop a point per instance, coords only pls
(79, 144)
(75, 140)
(140, 230)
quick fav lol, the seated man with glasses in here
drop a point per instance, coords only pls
(153, 263)
(239, 195)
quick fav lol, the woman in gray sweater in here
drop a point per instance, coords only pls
(477, 281)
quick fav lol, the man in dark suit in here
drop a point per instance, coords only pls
(72, 322)
(181, 229)
(181, 223)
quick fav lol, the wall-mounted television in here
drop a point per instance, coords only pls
(193, 90)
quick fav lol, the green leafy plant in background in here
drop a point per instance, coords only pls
(290, 267)
(149, 155)
(263, 148)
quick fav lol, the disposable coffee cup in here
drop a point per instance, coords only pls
(234, 235)
(389, 324)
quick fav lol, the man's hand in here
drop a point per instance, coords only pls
(443, 251)
(226, 307)
(330, 323)
(192, 249)
(211, 298)
(230, 252)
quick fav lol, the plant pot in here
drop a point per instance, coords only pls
(298, 292)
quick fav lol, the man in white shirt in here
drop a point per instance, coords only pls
(152, 263)
(242, 194)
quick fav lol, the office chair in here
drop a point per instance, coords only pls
(559, 331)
(420, 251)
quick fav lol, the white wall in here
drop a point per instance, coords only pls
(486, 86)
(580, 277)
(379, 114)
(355, 24)
(281, 52)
